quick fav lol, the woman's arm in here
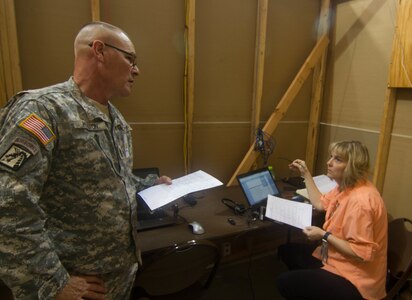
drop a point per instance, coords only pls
(342, 246)
(313, 191)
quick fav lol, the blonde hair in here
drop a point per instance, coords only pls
(356, 155)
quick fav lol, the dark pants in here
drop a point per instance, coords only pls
(306, 279)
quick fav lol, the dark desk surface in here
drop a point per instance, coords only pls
(213, 215)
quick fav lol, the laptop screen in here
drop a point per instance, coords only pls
(257, 185)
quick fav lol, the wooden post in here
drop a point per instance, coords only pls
(398, 77)
(189, 83)
(10, 74)
(95, 5)
(317, 90)
(382, 154)
(401, 69)
(284, 104)
(259, 65)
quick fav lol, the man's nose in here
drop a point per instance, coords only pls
(135, 70)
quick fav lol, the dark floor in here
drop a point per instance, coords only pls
(250, 279)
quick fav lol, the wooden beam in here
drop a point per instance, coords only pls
(10, 78)
(7, 83)
(382, 154)
(3, 71)
(284, 104)
(400, 74)
(259, 65)
(389, 106)
(189, 81)
(95, 5)
(317, 91)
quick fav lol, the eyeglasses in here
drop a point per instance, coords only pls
(129, 55)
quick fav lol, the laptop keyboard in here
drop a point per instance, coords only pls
(155, 219)
(143, 215)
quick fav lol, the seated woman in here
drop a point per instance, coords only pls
(350, 262)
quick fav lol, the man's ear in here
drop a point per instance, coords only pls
(97, 48)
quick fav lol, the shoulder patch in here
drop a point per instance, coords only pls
(39, 128)
(33, 148)
(15, 157)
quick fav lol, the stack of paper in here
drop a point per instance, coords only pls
(159, 195)
(293, 213)
(324, 184)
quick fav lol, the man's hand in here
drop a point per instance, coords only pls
(164, 179)
(82, 287)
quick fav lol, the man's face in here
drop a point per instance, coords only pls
(121, 67)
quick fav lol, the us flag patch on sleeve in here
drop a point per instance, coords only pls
(39, 128)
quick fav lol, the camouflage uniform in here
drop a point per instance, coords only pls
(67, 194)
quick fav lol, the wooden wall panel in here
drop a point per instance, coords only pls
(398, 189)
(357, 73)
(10, 73)
(159, 146)
(356, 84)
(403, 122)
(156, 27)
(216, 147)
(46, 30)
(288, 137)
(401, 68)
(288, 44)
(226, 97)
(359, 63)
(225, 52)
(329, 134)
(155, 108)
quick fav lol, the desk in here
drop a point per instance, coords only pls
(243, 239)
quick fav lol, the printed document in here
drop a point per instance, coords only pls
(290, 212)
(324, 184)
(162, 194)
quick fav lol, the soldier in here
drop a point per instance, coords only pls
(67, 192)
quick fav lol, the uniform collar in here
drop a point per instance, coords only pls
(86, 103)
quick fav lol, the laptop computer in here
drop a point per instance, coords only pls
(147, 218)
(256, 186)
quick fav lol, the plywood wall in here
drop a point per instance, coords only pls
(401, 70)
(357, 78)
(398, 189)
(225, 56)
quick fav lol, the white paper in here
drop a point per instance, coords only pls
(293, 213)
(324, 184)
(162, 194)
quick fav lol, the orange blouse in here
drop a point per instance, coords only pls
(359, 216)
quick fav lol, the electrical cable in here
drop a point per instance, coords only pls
(265, 144)
(185, 113)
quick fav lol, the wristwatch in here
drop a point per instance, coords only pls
(325, 236)
(324, 247)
